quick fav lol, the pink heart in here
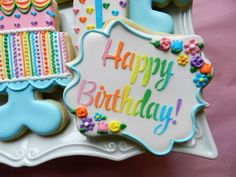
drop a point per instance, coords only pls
(77, 46)
(76, 29)
(76, 11)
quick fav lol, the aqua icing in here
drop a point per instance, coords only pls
(23, 111)
(99, 18)
(140, 11)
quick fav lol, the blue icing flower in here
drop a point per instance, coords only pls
(200, 80)
(176, 46)
(98, 116)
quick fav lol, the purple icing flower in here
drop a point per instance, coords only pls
(197, 61)
(87, 124)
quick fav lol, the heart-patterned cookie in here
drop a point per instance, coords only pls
(98, 12)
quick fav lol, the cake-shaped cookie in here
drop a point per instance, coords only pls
(137, 84)
(28, 15)
(32, 61)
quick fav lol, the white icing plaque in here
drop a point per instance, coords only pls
(137, 85)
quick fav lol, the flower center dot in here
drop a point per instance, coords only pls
(86, 124)
(201, 80)
(192, 46)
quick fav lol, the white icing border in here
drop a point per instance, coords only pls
(65, 75)
(29, 30)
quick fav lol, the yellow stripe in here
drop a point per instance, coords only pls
(26, 55)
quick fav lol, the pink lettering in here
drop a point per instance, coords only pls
(88, 92)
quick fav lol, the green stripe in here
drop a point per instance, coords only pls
(6, 55)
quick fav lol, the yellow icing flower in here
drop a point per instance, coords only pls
(114, 126)
(182, 59)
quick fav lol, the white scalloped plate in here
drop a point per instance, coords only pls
(33, 150)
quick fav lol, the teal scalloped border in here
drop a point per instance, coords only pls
(73, 83)
(36, 84)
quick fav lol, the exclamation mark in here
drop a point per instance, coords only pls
(178, 106)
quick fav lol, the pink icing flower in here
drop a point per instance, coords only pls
(191, 47)
(165, 44)
(102, 127)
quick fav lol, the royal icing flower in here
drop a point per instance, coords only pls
(197, 61)
(165, 44)
(98, 116)
(176, 46)
(191, 47)
(114, 126)
(81, 112)
(102, 127)
(182, 59)
(206, 68)
(200, 80)
(87, 124)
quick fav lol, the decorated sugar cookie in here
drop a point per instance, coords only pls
(145, 87)
(32, 60)
(92, 14)
(28, 15)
